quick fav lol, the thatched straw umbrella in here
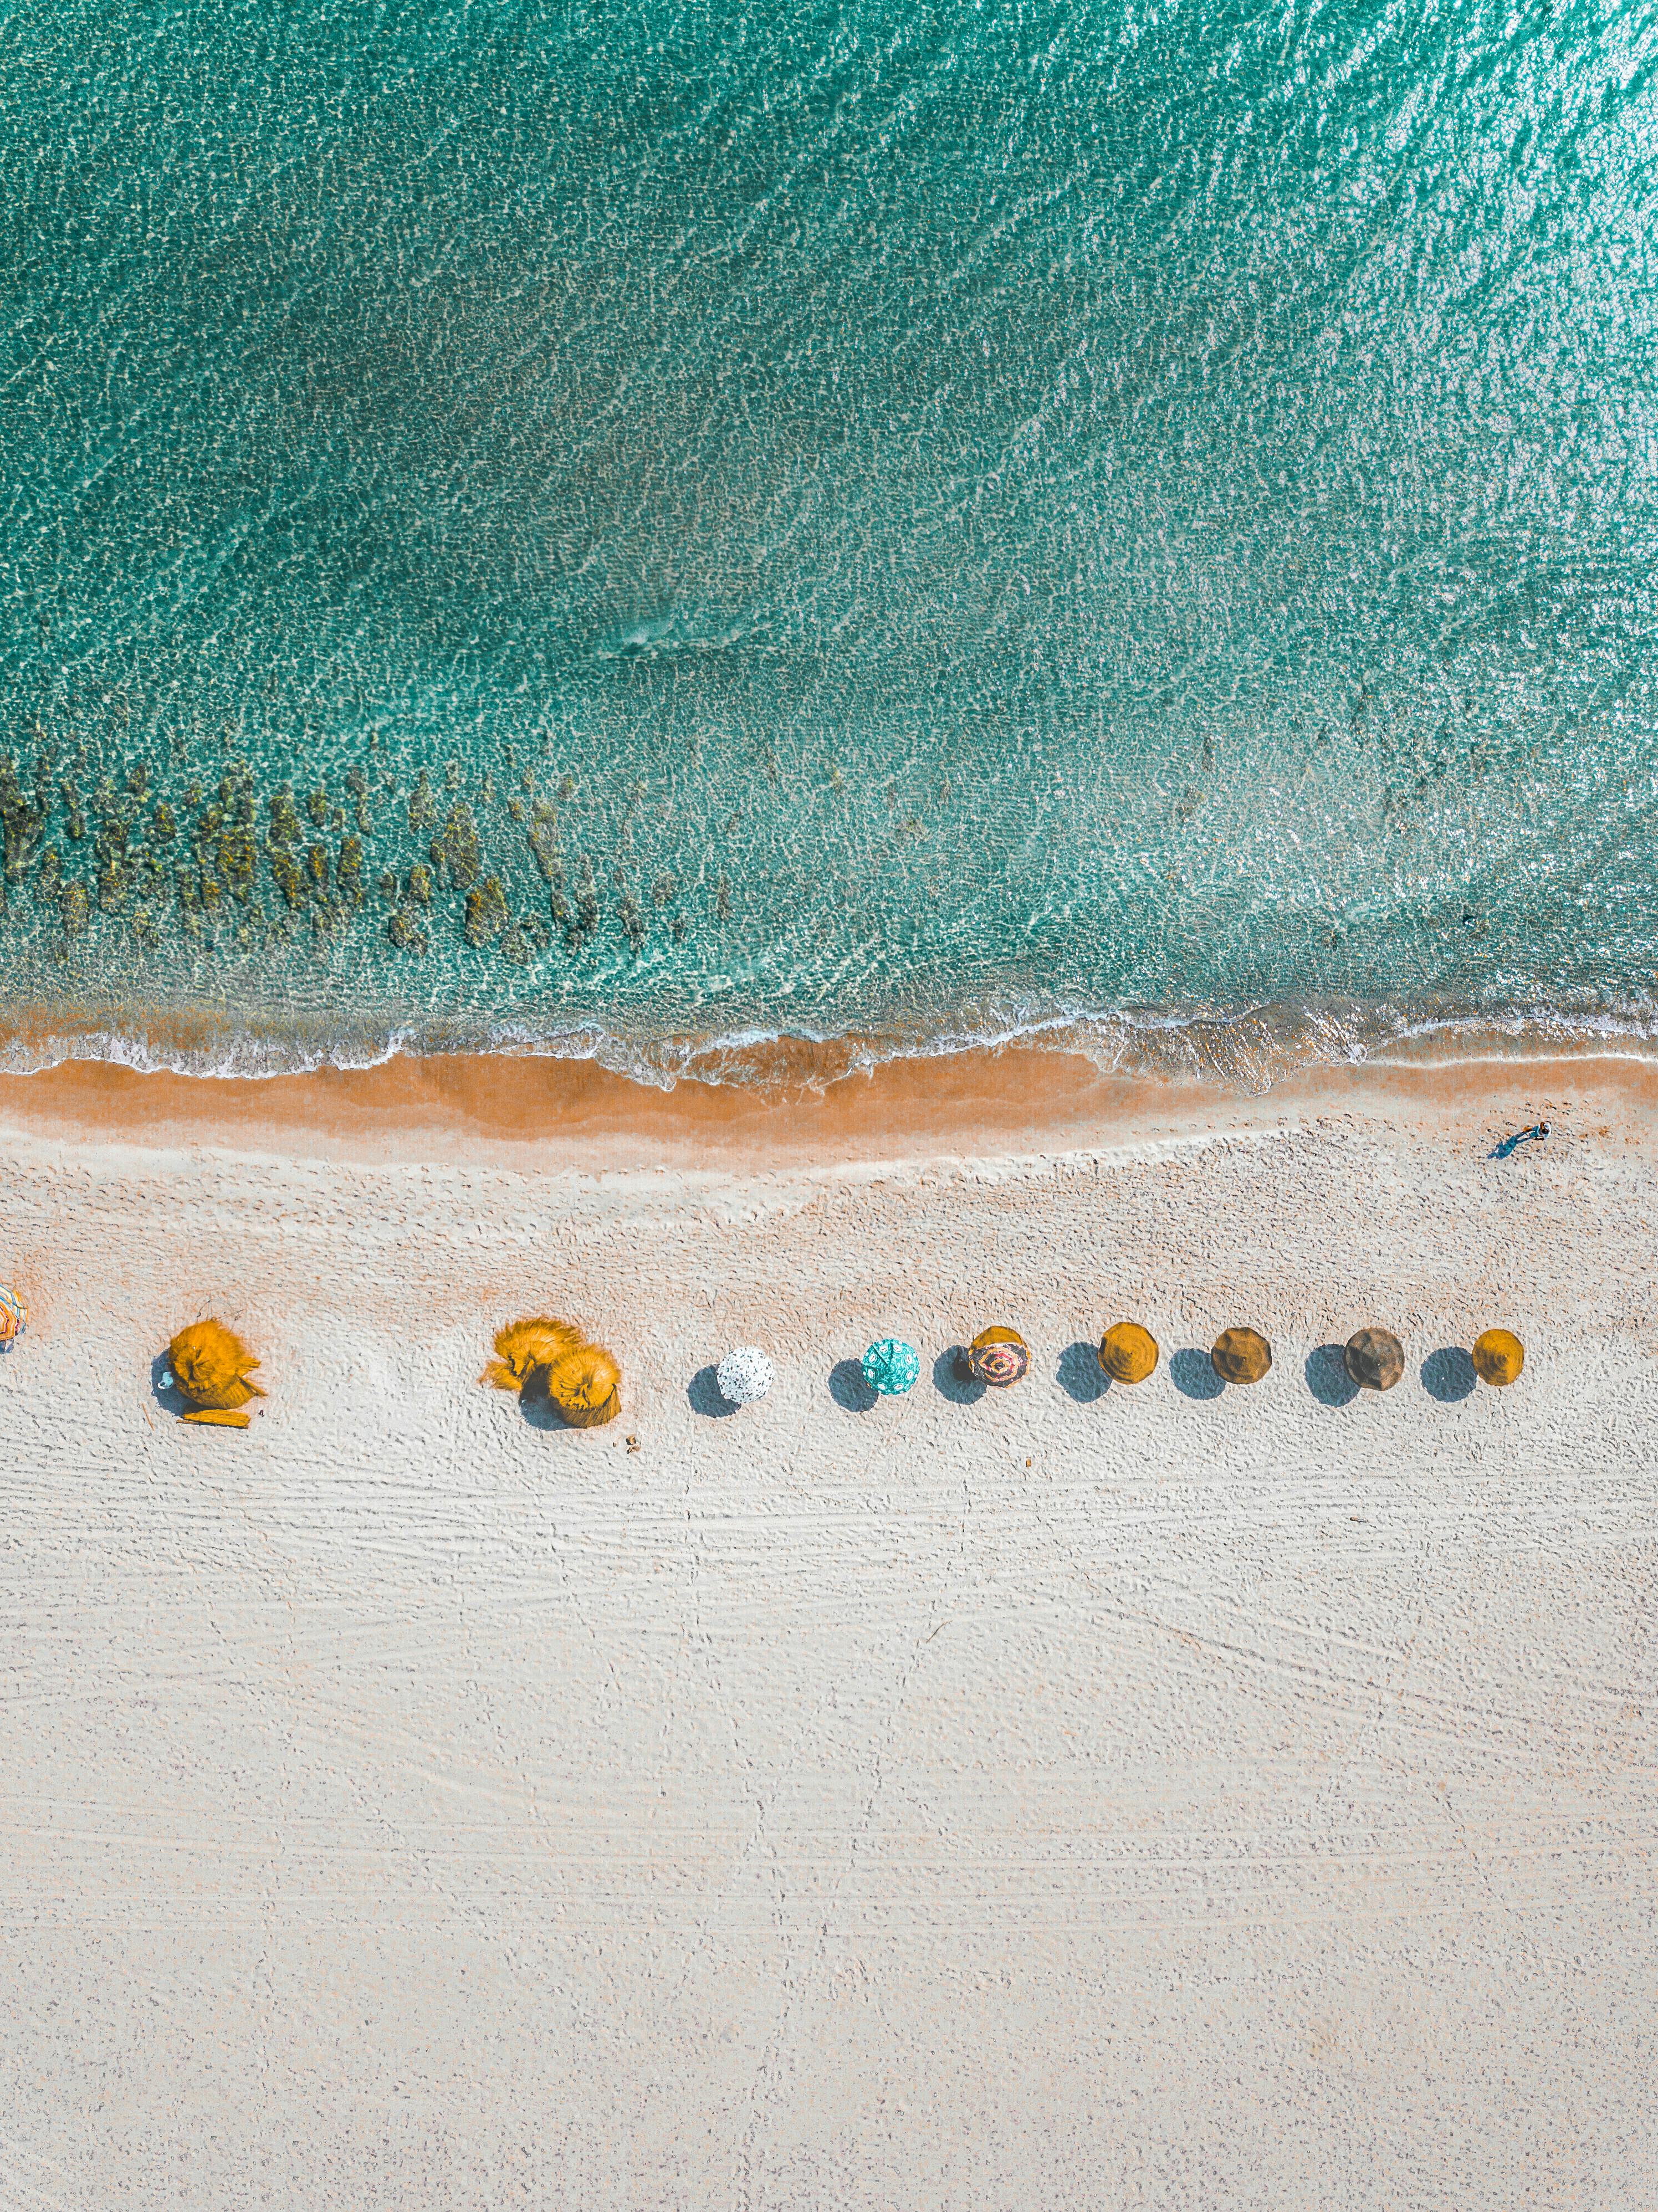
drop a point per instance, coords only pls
(997, 1356)
(523, 1346)
(1240, 1355)
(1128, 1352)
(14, 1318)
(581, 1379)
(1374, 1358)
(745, 1375)
(1499, 1357)
(585, 1385)
(891, 1366)
(211, 1365)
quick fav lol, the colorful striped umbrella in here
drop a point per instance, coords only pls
(998, 1356)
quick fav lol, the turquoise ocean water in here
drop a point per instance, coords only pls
(641, 529)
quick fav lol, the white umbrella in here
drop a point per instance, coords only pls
(745, 1375)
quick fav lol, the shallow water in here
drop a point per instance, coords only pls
(933, 523)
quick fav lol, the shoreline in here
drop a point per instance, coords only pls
(1006, 1101)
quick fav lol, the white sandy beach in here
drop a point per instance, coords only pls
(1078, 1798)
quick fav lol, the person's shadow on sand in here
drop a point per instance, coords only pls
(850, 1392)
(951, 1380)
(1328, 1377)
(1081, 1375)
(1448, 1375)
(1192, 1374)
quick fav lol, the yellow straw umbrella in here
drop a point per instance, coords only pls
(1128, 1352)
(211, 1365)
(1499, 1357)
(523, 1346)
(586, 1386)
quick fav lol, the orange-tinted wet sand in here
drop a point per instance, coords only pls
(1016, 1100)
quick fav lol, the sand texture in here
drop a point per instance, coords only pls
(1081, 1796)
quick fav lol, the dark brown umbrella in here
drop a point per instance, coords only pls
(1375, 1358)
(1240, 1355)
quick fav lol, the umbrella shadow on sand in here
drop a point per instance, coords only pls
(848, 1388)
(1328, 1377)
(536, 1402)
(704, 1392)
(1448, 1375)
(1081, 1375)
(1192, 1374)
(165, 1391)
(951, 1378)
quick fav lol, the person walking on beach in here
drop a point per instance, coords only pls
(1535, 1135)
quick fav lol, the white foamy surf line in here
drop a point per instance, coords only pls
(1247, 1049)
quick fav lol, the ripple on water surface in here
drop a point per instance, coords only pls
(636, 534)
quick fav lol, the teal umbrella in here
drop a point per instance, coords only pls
(891, 1366)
